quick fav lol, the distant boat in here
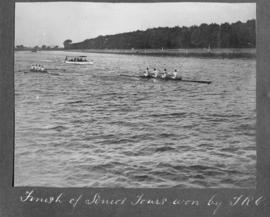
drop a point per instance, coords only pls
(34, 50)
(38, 68)
(78, 60)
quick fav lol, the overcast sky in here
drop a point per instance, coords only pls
(52, 23)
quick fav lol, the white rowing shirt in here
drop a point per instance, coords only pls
(146, 73)
(174, 74)
(155, 73)
(164, 74)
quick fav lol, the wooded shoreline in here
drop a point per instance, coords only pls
(213, 53)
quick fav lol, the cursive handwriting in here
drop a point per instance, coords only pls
(98, 200)
(214, 202)
(140, 200)
(74, 201)
(29, 196)
(242, 200)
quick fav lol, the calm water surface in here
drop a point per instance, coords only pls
(88, 126)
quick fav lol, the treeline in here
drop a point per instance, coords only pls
(36, 48)
(235, 35)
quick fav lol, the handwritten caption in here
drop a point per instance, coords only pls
(214, 202)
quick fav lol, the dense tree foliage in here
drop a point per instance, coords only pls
(235, 35)
(20, 46)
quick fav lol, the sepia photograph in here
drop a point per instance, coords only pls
(135, 95)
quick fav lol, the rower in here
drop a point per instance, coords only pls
(174, 75)
(42, 69)
(164, 74)
(35, 67)
(39, 67)
(146, 73)
(155, 73)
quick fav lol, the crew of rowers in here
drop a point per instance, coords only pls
(164, 74)
(37, 67)
(76, 59)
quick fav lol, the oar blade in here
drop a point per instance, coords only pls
(197, 81)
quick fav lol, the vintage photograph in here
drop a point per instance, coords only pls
(135, 95)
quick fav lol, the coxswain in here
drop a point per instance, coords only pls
(174, 75)
(42, 69)
(146, 73)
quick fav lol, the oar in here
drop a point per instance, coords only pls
(56, 69)
(26, 72)
(195, 81)
(47, 73)
(131, 76)
(57, 74)
(21, 70)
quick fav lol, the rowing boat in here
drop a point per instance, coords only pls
(39, 71)
(45, 72)
(168, 79)
(78, 60)
(160, 78)
(175, 79)
(80, 63)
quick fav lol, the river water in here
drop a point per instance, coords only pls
(86, 126)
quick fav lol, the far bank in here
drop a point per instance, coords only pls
(207, 53)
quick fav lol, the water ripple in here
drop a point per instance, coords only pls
(90, 127)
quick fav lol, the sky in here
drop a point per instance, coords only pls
(50, 23)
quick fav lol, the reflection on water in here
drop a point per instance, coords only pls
(88, 126)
